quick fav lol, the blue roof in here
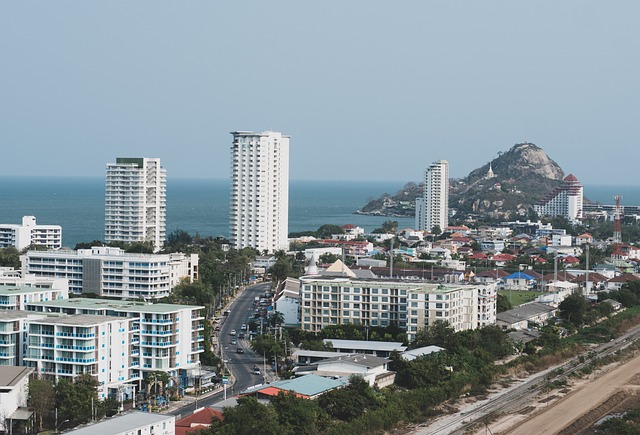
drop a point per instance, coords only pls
(308, 385)
(520, 275)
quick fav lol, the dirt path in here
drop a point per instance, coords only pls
(573, 406)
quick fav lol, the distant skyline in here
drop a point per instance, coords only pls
(366, 90)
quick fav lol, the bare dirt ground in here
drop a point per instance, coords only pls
(575, 413)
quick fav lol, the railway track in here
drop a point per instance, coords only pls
(522, 395)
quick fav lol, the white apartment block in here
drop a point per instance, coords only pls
(259, 209)
(135, 201)
(13, 336)
(15, 292)
(68, 346)
(377, 302)
(566, 200)
(112, 272)
(434, 208)
(29, 233)
(166, 337)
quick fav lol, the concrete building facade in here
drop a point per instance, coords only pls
(135, 201)
(331, 300)
(566, 200)
(112, 272)
(29, 233)
(433, 210)
(259, 209)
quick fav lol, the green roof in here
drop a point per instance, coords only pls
(126, 306)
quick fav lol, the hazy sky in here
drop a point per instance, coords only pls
(366, 89)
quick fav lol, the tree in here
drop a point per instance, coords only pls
(388, 227)
(299, 416)
(248, 417)
(327, 230)
(276, 318)
(328, 258)
(42, 397)
(77, 399)
(9, 257)
(282, 269)
(349, 402)
(503, 303)
(574, 308)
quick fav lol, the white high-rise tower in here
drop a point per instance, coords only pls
(259, 215)
(434, 208)
(135, 201)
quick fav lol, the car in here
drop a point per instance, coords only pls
(233, 341)
(256, 371)
(243, 327)
(241, 335)
(239, 350)
(233, 332)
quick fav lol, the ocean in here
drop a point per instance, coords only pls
(193, 205)
(202, 205)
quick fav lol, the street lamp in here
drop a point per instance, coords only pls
(60, 425)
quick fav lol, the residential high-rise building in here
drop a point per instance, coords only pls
(433, 209)
(566, 200)
(259, 215)
(135, 201)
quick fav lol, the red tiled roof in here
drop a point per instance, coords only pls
(625, 277)
(348, 227)
(197, 421)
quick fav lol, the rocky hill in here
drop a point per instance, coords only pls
(504, 188)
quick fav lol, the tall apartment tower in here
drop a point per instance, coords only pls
(434, 208)
(135, 201)
(259, 214)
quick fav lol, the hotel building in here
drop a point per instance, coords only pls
(112, 272)
(259, 209)
(327, 300)
(29, 233)
(135, 201)
(565, 200)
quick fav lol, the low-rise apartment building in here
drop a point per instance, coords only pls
(68, 346)
(112, 272)
(16, 291)
(331, 300)
(166, 337)
(29, 233)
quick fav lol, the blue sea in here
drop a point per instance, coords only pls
(193, 205)
(202, 205)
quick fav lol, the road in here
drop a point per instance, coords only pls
(239, 364)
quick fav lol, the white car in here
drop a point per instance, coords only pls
(243, 327)
(233, 332)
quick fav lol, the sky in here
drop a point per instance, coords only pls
(367, 90)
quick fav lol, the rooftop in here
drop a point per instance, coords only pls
(126, 306)
(524, 312)
(10, 376)
(10, 289)
(79, 319)
(124, 423)
(387, 346)
(309, 385)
